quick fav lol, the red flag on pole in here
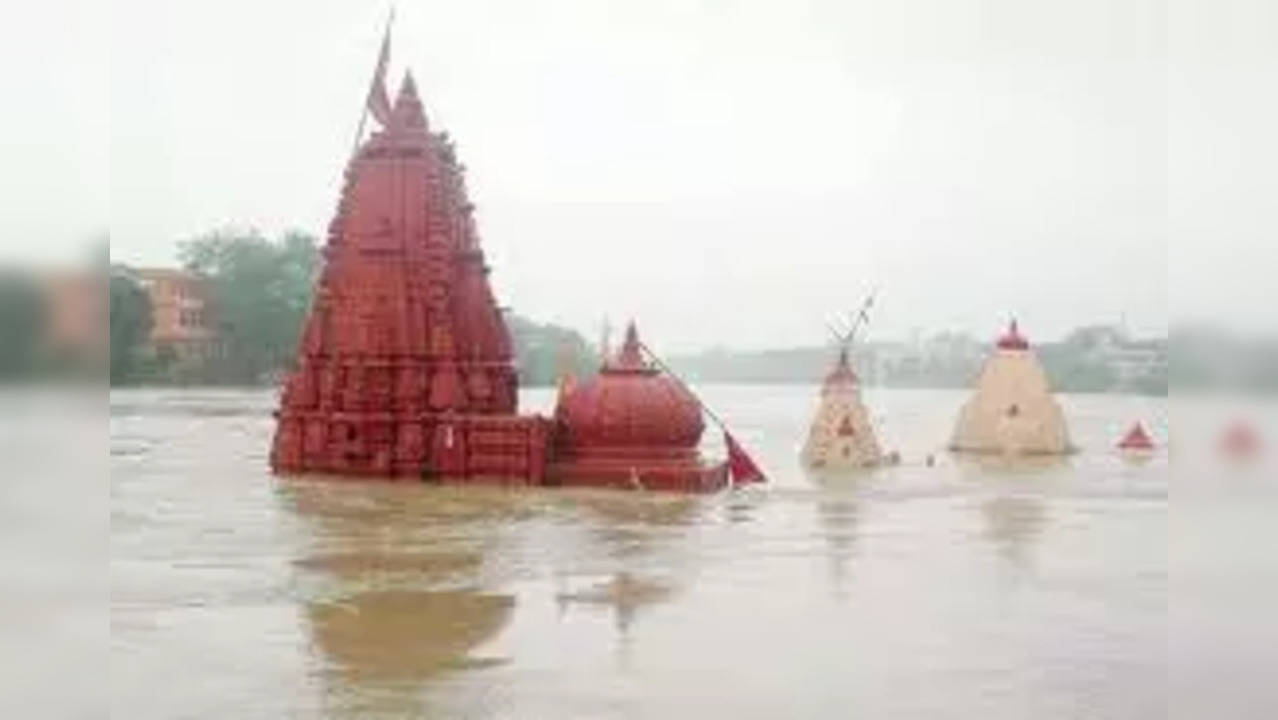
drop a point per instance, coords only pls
(378, 101)
(740, 464)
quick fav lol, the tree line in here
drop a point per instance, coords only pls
(1089, 359)
(259, 291)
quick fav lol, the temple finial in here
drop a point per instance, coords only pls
(407, 111)
(1013, 339)
(408, 87)
(631, 353)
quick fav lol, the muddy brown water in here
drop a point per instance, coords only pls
(1074, 589)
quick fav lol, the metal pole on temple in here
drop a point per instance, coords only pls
(741, 465)
(376, 100)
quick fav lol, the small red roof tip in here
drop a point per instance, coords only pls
(1136, 439)
(408, 86)
(1013, 339)
(630, 357)
(407, 111)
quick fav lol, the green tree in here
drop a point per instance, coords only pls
(542, 350)
(261, 291)
(130, 325)
(1073, 366)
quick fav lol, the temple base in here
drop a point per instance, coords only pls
(444, 447)
(639, 474)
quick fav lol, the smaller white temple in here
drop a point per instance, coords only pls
(841, 436)
(1012, 411)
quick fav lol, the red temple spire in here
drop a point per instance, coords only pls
(407, 112)
(406, 365)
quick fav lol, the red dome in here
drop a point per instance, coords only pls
(630, 404)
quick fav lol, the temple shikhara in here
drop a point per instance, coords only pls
(405, 366)
(841, 436)
(1013, 410)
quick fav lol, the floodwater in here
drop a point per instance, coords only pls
(957, 591)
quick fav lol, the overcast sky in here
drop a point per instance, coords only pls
(728, 173)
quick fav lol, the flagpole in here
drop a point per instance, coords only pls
(666, 368)
(359, 131)
(862, 315)
(727, 435)
(736, 453)
(363, 116)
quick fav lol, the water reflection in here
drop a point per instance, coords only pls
(624, 593)
(1014, 523)
(396, 575)
(639, 511)
(838, 512)
(381, 647)
(742, 505)
(638, 543)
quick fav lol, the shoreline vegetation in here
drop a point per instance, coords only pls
(230, 317)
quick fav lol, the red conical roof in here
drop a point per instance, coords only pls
(404, 328)
(1136, 439)
(1013, 339)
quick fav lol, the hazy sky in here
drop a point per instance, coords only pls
(729, 173)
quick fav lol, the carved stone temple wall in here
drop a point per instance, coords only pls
(405, 366)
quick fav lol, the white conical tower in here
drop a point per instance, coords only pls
(841, 436)
(1012, 411)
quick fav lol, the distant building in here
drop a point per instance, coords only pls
(1133, 362)
(183, 324)
(1137, 361)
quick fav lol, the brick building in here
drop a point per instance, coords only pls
(183, 323)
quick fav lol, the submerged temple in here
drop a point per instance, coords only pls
(405, 366)
(1012, 410)
(841, 436)
(632, 426)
